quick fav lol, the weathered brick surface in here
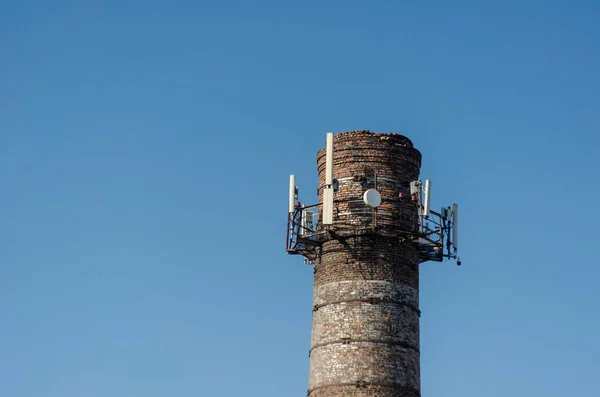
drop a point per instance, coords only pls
(360, 156)
(365, 361)
(365, 336)
(387, 312)
(368, 258)
(350, 289)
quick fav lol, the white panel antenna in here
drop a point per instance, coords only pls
(307, 222)
(427, 200)
(303, 220)
(328, 190)
(455, 226)
(292, 202)
(328, 206)
(414, 187)
(329, 160)
(307, 219)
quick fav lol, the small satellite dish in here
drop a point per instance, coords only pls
(372, 198)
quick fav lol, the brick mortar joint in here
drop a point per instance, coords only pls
(372, 301)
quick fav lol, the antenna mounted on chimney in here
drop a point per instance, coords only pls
(328, 190)
(362, 207)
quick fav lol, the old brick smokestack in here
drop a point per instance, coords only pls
(365, 330)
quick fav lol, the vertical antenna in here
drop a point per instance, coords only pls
(427, 198)
(328, 206)
(328, 190)
(415, 187)
(303, 221)
(292, 201)
(329, 160)
(455, 226)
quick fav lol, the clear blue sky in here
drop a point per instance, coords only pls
(145, 148)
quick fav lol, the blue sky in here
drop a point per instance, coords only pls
(145, 149)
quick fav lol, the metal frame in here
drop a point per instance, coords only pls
(432, 236)
(302, 238)
(432, 240)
